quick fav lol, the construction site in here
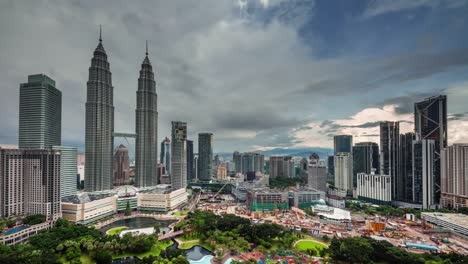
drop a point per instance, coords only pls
(319, 220)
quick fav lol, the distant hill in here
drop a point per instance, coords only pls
(295, 152)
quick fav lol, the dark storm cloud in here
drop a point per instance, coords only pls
(253, 119)
(371, 74)
(416, 66)
(405, 103)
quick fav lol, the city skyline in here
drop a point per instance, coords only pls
(435, 68)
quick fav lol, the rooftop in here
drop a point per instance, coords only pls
(458, 219)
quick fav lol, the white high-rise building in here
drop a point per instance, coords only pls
(344, 171)
(68, 170)
(454, 177)
(423, 173)
(374, 188)
(317, 175)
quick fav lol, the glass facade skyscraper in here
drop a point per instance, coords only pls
(40, 113)
(430, 120)
(365, 158)
(190, 167)
(343, 144)
(68, 170)
(389, 144)
(205, 156)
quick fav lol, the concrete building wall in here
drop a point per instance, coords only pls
(454, 177)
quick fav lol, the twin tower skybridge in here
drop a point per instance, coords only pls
(130, 146)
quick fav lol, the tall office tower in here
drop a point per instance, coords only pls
(68, 170)
(179, 155)
(344, 171)
(405, 187)
(259, 162)
(165, 156)
(423, 173)
(389, 143)
(99, 139)
(282, 166)
(205, 156)
(430, 120)
(121, 166)
(365, 158)
(249, 162)
(237, 159)
(40, 113)
(146, 149)
(317, 174)
(195, 166)
(30, 182)
(190, 174)
(217, 160)
(454, 176)
(331, 168)
(343, 144)
(303, 166)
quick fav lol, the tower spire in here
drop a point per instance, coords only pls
(146, 47)
(100, 33)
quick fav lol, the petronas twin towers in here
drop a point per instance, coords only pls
(99, 139)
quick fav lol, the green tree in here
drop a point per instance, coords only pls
(103, 257)
(128, 210)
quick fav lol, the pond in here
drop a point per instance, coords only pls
(138, 222)
(197, 253)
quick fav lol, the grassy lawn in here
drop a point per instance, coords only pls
(179, 213)
(307, 244)
(116, 230)
(155, 250)
(189, 244)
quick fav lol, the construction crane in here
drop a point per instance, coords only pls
(214, 196)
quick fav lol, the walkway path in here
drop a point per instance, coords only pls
(171, 235)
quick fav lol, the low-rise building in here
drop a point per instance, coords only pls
(305, 197)
(20, 234)
(264, 199)
(457, 223)
(85, 208)
(160, 198)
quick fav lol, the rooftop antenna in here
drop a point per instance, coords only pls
(100, 33)
(146, 47)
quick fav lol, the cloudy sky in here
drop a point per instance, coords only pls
(257, 73)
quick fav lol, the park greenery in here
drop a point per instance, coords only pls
(70, 243)
(367, 250)
(34, 219)
(234, 234)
